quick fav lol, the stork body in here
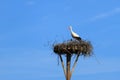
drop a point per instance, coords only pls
(74, 35)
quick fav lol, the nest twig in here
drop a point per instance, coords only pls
(73, 47)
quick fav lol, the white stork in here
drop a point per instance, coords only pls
(73, 34)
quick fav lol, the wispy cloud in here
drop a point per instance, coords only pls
(108, 65)
(30, 3)
(101, 15)
(106, 14)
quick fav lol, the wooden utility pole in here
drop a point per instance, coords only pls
(68, 61)
(67, 71)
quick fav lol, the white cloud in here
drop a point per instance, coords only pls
(106, 14)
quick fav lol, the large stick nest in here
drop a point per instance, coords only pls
(73, 47)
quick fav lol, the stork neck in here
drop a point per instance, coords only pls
(71, 30)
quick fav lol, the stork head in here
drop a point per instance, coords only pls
(70, 27)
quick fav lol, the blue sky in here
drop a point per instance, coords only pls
(29, 27)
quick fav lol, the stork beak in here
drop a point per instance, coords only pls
(69, 27)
